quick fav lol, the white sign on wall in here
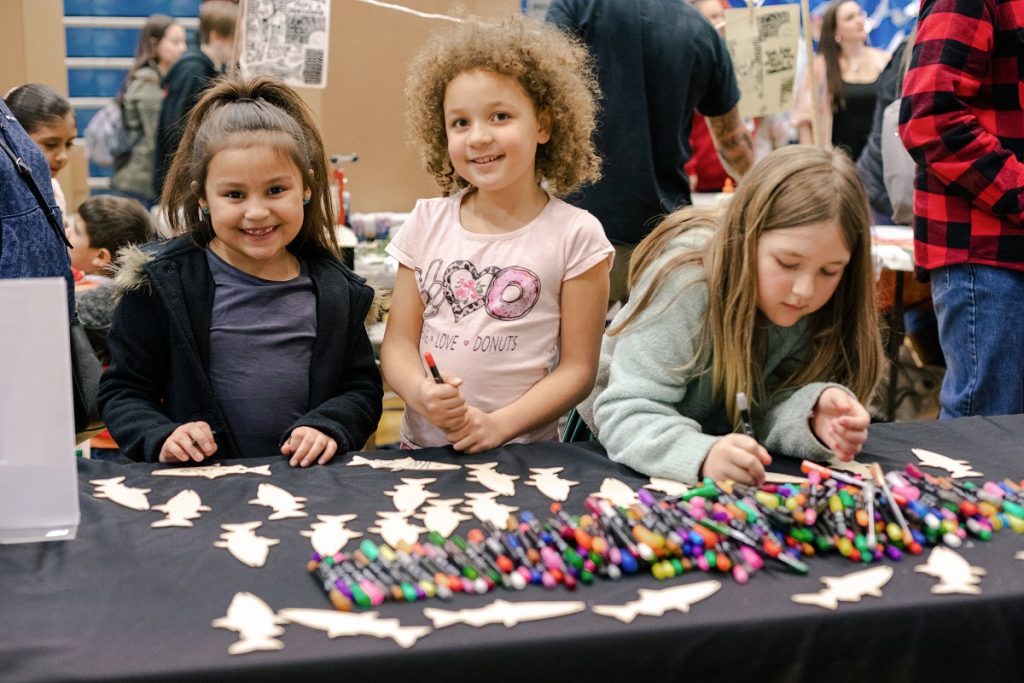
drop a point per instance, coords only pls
(762, 42)
(286, 39)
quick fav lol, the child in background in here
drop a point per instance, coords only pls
(104, 225)
(773, 298)
(245, 336)
(503, 114)
(47, 117)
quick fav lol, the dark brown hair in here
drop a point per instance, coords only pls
(37, 104)
(235, 112)
(114, 222)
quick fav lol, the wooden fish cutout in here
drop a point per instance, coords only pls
(180, 510)
(212, 471)
(256, 624)
(400, 464)
(954, 573)
(440, 516)
(410, 494)
(484, 473)
(503, 612)
(355, 624)
(242, 542)
(849, 588)
(669, 487)
(395, 528)
(284, 504)
(856, 467)
(115, 491)
(958, 469)
(654, 603)
(330, 535)
(546, 479)
(484, 507)
(616, 492)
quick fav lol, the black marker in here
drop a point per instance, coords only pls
(744, 408)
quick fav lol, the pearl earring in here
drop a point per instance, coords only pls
(839, 40)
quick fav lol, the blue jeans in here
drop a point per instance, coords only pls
(980, 310)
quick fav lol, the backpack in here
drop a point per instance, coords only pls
(898, 167)
(106, 139)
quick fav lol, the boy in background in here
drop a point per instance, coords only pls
(104, 225)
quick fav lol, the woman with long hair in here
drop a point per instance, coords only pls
(845, 74)
(161, 44)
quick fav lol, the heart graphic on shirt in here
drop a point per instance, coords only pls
(465, 287)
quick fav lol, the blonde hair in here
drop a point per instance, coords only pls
(240, 113)
(793, 186)
(553, 69)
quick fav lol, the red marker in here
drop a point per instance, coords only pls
(433, 367)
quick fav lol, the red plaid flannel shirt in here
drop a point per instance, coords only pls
(962, 120)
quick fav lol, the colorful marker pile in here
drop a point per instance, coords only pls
(722, 527)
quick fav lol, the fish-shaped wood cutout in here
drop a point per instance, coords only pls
(848, 588)
(114, 490)
(484, 507)
(212, 471)
(180, 510)
(654, 603)
(395, 528)
(669, 487)
(330, 535)
(484, 473)
(616, 492)
(955, 574)
(440, 516)
(354, 624)
(546, 479)
(401, 464)
(503, 612)
(242, 542)
(283, 503)
(410, 494)
(958, 469)
(256, 624)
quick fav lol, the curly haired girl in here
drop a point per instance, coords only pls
(503, 115)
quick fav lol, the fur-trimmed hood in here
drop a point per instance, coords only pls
(131, 276)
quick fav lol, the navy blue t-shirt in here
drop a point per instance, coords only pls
(261, 343)
(657, 61)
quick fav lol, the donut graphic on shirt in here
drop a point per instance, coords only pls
(505, 293)
(513, 293)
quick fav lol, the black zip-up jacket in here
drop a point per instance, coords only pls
(159, 342)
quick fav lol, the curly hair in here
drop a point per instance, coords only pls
(553, 68)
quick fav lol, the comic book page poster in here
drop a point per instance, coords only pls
(286, 39)
(763, 45)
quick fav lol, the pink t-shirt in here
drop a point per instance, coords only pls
(493, 302)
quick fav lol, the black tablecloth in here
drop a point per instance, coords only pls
(126, 601)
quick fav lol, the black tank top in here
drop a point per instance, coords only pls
(852, 123)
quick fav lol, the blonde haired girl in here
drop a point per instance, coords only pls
(773, 298)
